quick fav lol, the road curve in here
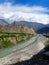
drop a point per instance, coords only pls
(28, 51)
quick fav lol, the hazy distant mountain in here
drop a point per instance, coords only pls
(3, 22)
(34, 25)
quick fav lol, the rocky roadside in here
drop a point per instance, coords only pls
(38, 59)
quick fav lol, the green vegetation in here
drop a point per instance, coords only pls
(11, 39)
(5, 44)
(14, 34)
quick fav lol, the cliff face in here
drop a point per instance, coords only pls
(17, 29)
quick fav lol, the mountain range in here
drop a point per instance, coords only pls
(34, 25)
(38, 27)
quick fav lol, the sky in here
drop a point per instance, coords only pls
(26, 10)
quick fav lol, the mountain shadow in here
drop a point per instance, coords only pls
(43, 30)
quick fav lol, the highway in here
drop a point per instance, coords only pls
(23, 51)
(17, 47)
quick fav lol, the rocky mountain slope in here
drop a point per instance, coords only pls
(17, 29)
(34, 25)
(22, 27)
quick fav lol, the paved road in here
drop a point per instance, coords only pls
(26, 52)
(17, 47)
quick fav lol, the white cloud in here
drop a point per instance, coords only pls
(21, 12)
